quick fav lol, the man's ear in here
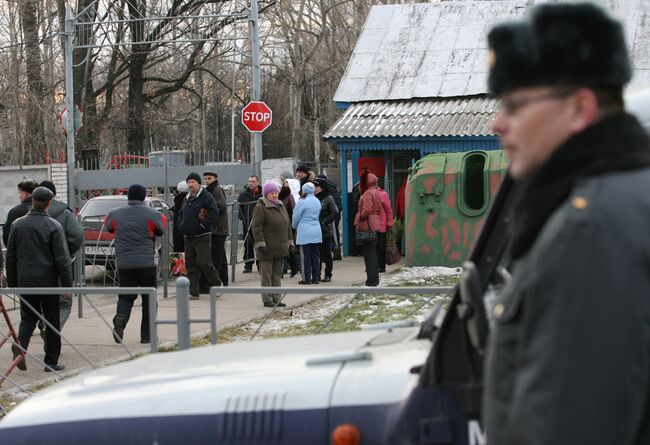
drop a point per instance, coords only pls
(586, 109)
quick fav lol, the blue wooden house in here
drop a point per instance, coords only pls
(416, 83)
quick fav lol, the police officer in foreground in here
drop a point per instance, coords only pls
(37, 256)
(569, 353)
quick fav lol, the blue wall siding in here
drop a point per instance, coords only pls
(424, 145)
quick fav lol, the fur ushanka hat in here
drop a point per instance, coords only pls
(564, 44)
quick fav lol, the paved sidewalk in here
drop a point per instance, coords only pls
(93, 337)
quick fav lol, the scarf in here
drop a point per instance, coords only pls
(616, 143)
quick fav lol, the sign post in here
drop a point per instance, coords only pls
(256, 117)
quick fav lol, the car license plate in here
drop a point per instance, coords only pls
(99, 250)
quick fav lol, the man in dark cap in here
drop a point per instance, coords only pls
(247, 200)
(328, 215)
(136, 227)
(197, 217)
(37, 256)
(571, 330)
(74, 236)
(336, 194)
(25, 189)
(304, 175)
(220, 229)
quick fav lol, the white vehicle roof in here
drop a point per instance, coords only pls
(239, 377)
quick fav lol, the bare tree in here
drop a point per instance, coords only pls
(35, 137)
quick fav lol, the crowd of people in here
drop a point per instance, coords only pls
(290, 227)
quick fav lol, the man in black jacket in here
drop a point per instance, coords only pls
(74, 236)
(571, 329)
(197, 216)
(336, 237)
(328, 215)
(37, 256)
(247, 200)
(220, 229)
(25, 189)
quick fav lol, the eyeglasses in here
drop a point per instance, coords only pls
(511, 106)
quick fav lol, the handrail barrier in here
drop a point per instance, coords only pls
(183, 319)
(81, 292)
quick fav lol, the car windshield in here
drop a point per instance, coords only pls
(100, 207)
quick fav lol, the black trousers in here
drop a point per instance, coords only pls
(219, 259)
(198, 261)
(369, 250)
(48, 305)
(310, 254)
(249, 252)
(381, 251)
(144, 277)
(326, 255)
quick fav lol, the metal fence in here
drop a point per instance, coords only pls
(81, 292)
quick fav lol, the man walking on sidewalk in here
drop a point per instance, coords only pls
(198, 214)
(74, 236)
(136, 227)
(37, 256)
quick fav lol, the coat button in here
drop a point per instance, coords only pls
(498, 310)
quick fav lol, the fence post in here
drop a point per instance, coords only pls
(164, 270)
(183, 312)
(234, 239)
(153, 311)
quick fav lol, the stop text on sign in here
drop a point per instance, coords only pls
(256, 116)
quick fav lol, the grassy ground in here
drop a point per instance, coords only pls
(339, 313)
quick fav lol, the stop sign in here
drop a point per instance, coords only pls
(256, 116)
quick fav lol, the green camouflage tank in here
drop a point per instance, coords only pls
(446, 201)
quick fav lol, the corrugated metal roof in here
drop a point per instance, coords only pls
(467, 116)
(440, 49)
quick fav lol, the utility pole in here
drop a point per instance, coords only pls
(256, 87)
(69, 99)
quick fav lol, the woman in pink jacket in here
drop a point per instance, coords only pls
(368, 221)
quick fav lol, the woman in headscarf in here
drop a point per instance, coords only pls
(271, 229)
(306, 222)
(367, 222)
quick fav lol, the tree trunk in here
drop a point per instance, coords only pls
(295, 111)
(135, 133)
(14, 82)
(199, 134)
(35, 138)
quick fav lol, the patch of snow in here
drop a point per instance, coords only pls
(328, 306)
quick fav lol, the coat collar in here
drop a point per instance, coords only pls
(616, 143)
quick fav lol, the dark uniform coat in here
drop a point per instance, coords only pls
(569, 355)
(271, 228)
(37, 252)
(15, 213)
(221, 227)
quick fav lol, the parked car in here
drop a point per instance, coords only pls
(99, 248)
